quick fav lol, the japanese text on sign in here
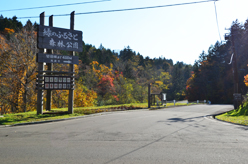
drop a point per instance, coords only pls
(55, 58)
(66, 35)
(58, 38)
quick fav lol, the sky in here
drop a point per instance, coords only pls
(179, 33)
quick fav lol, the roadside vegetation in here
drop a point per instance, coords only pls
(60, 113)
(238, 116)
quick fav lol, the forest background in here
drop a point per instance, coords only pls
(106, 77)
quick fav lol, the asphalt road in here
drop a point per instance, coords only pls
(173, 135)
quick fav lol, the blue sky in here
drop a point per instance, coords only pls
(179, 33)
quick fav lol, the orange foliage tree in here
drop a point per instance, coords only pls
(246, 80)
(8, 31)
(18, 68)
(83, 97)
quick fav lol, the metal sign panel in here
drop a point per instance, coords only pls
(60, 39)
(164, 96)
(57, 83)
(54, 58)
(237, 96)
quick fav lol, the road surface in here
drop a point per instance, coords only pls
(172, 135)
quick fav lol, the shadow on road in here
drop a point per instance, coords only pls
(191, 119)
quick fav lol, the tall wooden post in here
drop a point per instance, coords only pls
(49, 68)
(235, 69)
(149, 95)
(40, 73)
(71, 69)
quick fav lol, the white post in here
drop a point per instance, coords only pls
(174, 102)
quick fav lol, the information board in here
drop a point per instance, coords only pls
(59, 38)
(237, 96)
(54, 58)
(57, 83)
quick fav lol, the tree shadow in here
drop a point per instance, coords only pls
(243, 127)
(191, 119)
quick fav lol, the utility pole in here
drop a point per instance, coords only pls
(236, 95)
(235, 71)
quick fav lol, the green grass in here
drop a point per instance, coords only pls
(243, 120)
(11, 119)
(238, 116)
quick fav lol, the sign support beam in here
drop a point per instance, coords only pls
(71, 69)
(49, 68)
(40, 78)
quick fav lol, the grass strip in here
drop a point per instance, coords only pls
(242, 120)
(238, 116)
(54, 114)
(10, 119)
(16, 118)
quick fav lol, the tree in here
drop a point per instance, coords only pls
(106, 85)
(18, 68)
(10, 23)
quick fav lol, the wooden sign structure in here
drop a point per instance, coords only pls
(151, 97)
(50, 38)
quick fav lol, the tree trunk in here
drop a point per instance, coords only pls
(25, 99)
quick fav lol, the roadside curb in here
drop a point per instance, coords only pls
(174, 106)
(49, 121)
(220, 113)
(64, 119)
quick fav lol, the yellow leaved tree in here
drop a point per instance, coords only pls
(17, 70)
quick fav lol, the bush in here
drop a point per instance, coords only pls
(241, 111)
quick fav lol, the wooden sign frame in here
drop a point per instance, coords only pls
(50, 37)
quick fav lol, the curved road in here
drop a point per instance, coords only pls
(171, 135)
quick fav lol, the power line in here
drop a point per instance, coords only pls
(217, 20)
(130, 9)
(30, 8)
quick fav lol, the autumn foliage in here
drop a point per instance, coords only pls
(18, 70)
(8, 31)
(103, 77)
